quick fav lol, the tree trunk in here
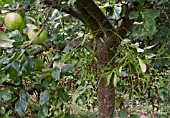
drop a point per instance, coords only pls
(106, 97)
(102, 28)
(90, 14)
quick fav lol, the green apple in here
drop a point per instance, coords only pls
(14, 21)
(33, 31)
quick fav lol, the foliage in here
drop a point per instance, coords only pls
(44, 80)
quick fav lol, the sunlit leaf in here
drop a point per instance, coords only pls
(5, 41)
(115, 79)
(149, 55)
(142, 65)
(32, 26)
(71, 2)
(140, 50)
(117, 11)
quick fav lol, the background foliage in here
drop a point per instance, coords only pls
(56, 78)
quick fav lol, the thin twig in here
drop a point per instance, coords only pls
(41, 29)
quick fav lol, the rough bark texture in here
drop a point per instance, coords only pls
(106, 96)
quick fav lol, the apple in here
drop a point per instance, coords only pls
(33, 31)
(14, 21)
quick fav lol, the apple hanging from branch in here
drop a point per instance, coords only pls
(14, 21)
(33, 31)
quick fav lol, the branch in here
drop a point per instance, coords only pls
(70, 11)
(41, 29)
(125, 24)
(65, 9)
(73, 43)
(11, 84)
(90, 21)
(94, 11)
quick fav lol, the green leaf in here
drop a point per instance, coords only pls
(59, 103)
(161, 81)
(107, 76)
(149, 55)
(14, 56)
(4, 78)
(53, 85)
(76, 95)
(120, 69)
(68, 48)
(67, 68)
(80, 101)
(67, 57)
(63, 94)
(39, 65)
(7, 1)
(123, 113)
(16, 35)
(28, 66)
(89, 86)
(142, 65)
(21, 104)
(133, 15)
(43, 111)
(153, 13)
(5, 93)
(150, 24)
(44, 97)
(32, 26)
(13, 69)
(56, 73)
(115, 79)
(71, 2)
(5, 41)
(149, 16)
(132, 68)
(134, 116)
(149, 47)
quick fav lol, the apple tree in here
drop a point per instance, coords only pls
(47, 45)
